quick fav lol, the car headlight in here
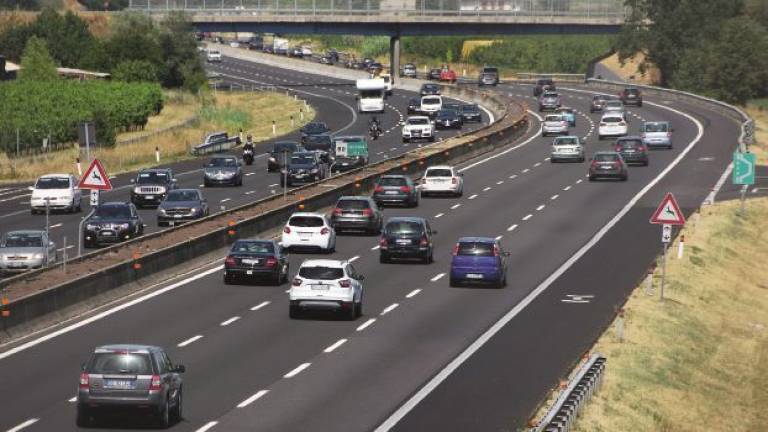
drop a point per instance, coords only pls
(161, 210)
(91, 227)
(124, 226)
(272, 159)
(136, 189)
(315, 171)
(37, 256)
(229, 174)
(197, 210)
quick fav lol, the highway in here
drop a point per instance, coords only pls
(333, 101)
(423, 356)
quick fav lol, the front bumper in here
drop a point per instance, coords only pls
(19, 266)
(163, 219)
(107, 236)
(220, 180)
(58, 204)
(146, 199)
(294, 178)
(416, 134)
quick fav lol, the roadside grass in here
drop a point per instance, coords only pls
(758, 110)
(699, 360)
(630, 68)
(253, 112)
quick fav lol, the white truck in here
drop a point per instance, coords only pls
(280, 46)
(371, 93)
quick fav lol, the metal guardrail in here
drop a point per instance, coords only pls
(479, 8)
(562, 415)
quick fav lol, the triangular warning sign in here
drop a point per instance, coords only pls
(95, 177)
(668, 212)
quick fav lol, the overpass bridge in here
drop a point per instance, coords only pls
(396, 18)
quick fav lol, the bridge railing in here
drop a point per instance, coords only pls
(480, 8)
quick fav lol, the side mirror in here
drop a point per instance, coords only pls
(179, 369)
(360, 277)
(133, 180)
(31, 188)
(434, 232)
(461, 174)
(175, 180)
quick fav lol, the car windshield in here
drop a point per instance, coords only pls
(120, 363)
(152, 178)
(418, 121)
(319, 139)
(612, 120)
(302, 160)
(321, 273)
(261, 247)
(112, 211)
(403, 227)
(490, 70)
(182, 195)
(550, 95)
(567, 141)
(315, 128)
(281, 147)
(222, 162)
(52, 183)
(470, 108)
(656, 127)
(630, 143)
(430, 101)
(306, 221)
(606, 157)
(214, 52)
(393, 181)
(554, 118)
(356, 204)
(475, 249)
(22, 240)
(371, 94)
(545, 82)
(447, 113)
(632, 91)
(439, 172)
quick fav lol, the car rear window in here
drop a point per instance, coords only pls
(120, 363)
(567, 141)
(656, 127)
(353, 204)
(52, 183)
(630, 143)
(321, 273)
(393, 181)
(403, 227)
(612, 119)
(306, 221)
(253, 247)
(554, 118)
(430, 101)
(475, 249)
(470, 108)
(606, 157)
(439, 172)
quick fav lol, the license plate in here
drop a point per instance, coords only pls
(474, 276)
(107, 233)
(120, 384)
(250, 261)
(149, 197)
(319, 287)
(391, 192)
(15, 265)
(629, 151)
(403, 242)
(344, 163)
(178, 216)
(249, 272)
(606, 167)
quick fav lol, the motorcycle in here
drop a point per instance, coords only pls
(248, 156)
(374, 131)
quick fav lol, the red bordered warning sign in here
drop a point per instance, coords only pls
(95, 177)
(668, 212)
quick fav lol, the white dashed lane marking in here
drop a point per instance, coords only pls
(413, 293)
(527, 217)
(336, 344)
(365, 325)
(189, 341)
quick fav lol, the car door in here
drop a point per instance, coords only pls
(75, 191)
(50, 248)
(429, 233)
(167, 374)
(356, 281)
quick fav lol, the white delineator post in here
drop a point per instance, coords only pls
(157, 154)
(680, 247)
(79, 167)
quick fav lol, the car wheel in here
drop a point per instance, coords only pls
(285, 274)
(164, 416)
(599, 137)
(591, 178)
(351, 312)
(383, 259)
(624, 177)
(228, 279)
(359, 309)
(452, 283)
(294, 312)
(206, 184)
(32, 211)
(669, 147)
(178, 409)
(79, 205)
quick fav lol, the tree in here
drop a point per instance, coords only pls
(19, 4)
(133, 36)
(179, 49)
(135, 71)
(36, 63)
(758, 10)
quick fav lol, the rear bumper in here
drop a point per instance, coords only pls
(476, 276)
(406, 252)
(317, 304)
(254, 273)
(607, 174)
(214, 181)
(657, 142)
(567, 156)
(353, 223)
(639, 158)
(438, 189)
(152, 400)
(393, 198)
(173, 219)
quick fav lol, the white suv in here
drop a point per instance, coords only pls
(612, 124)
(442, 180)
(213, 56)
(418, 127)
(309, 230)
(431, 104)
(567, 148)
(328, 285)
(60, 190)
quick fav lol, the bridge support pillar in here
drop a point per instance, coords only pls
(394, 56)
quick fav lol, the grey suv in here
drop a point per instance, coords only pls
(118, 377)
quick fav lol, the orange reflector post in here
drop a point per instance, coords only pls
(137, 266)
(301, 206)
(231, 232)
(5, 301)
(231, 223)
(136, 256)
(6, 313)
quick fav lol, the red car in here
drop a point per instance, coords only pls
(447, 75)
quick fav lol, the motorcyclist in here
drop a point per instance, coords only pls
(374, 128)
(248, 150)
(248, 143)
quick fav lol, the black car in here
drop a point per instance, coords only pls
(396, 189)
(281, 152)
(223, 170)
(257, 260)
(488, 76)
(375, 68)
(543, 85)
(151, 186)
(631, 96)
(112, 222)
(448, 119)
(321, 143)
(434, 74)
(357, 213)
(406, 237)
(414, 105)
(303, 167)
(429, 89)
(632, 150)
(313, 128)
(181, 205)
(471, 113)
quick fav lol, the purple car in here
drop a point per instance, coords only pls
(479, 260)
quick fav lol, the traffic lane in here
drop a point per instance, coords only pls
(413, 358)
(590, 276)
(154, 314)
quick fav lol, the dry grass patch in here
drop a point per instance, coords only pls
(253, 112)
(631, 68)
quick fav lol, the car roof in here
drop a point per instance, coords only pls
(25, 231)
(127, 347)
(323, 263)
(115, 204)
(154, 170)
(417, 117)
(308, 214)
(395, 176)
(656, 122)
(477, 240)
(406, 219)
(54, 175)
(354, 197)
(184, 190)
(440, 167)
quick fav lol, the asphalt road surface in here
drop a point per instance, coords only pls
(423, 356)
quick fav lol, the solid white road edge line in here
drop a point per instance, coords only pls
(252, 399)
(441, 376)
(297, 370)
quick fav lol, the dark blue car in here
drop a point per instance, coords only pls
(479, 260)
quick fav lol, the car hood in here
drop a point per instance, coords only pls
(217, 170)
(301, 166)
(179, 204)
(20, 250)
(108, 221)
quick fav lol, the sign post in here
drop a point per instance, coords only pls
(743, 173)
(667, 214)
(96, 180)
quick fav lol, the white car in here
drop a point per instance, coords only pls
(59, 190)
(213, 56)
(612, 124)
(616, 107)
(567, 148)
(442, 180)
(306, 51)
(431, 104)
(328, 285)
(554, 124)
(418, 127)
(309, 231)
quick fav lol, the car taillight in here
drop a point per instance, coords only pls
(405, 189)
(641, 148)
(424, 241)
(594, 163)
(287, 230)
(337, 211)
(383, 243)
(618, 148)
(669, 134)
(622, 123)
(496, 251)
(84, 381)
(455, 250)
(296, 282)
(271, 262)
(603, 124)
(367, 212)
(324, 231)
(454, 180)
(230, 262)
(378, 189)
(345, 283)
(156, 384)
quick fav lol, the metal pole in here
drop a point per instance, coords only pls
(80, 230)
(663, 269)
(87, 145)
(743, 199)
(285, 175)
(47, 222)
(64, 257)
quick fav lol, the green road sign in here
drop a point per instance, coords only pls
(743, 168)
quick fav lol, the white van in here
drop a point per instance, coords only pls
(371, 94)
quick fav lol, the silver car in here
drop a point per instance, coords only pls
(25, 250)
(130, 377)
(554, 124)
(223, 170)
(657, 134)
